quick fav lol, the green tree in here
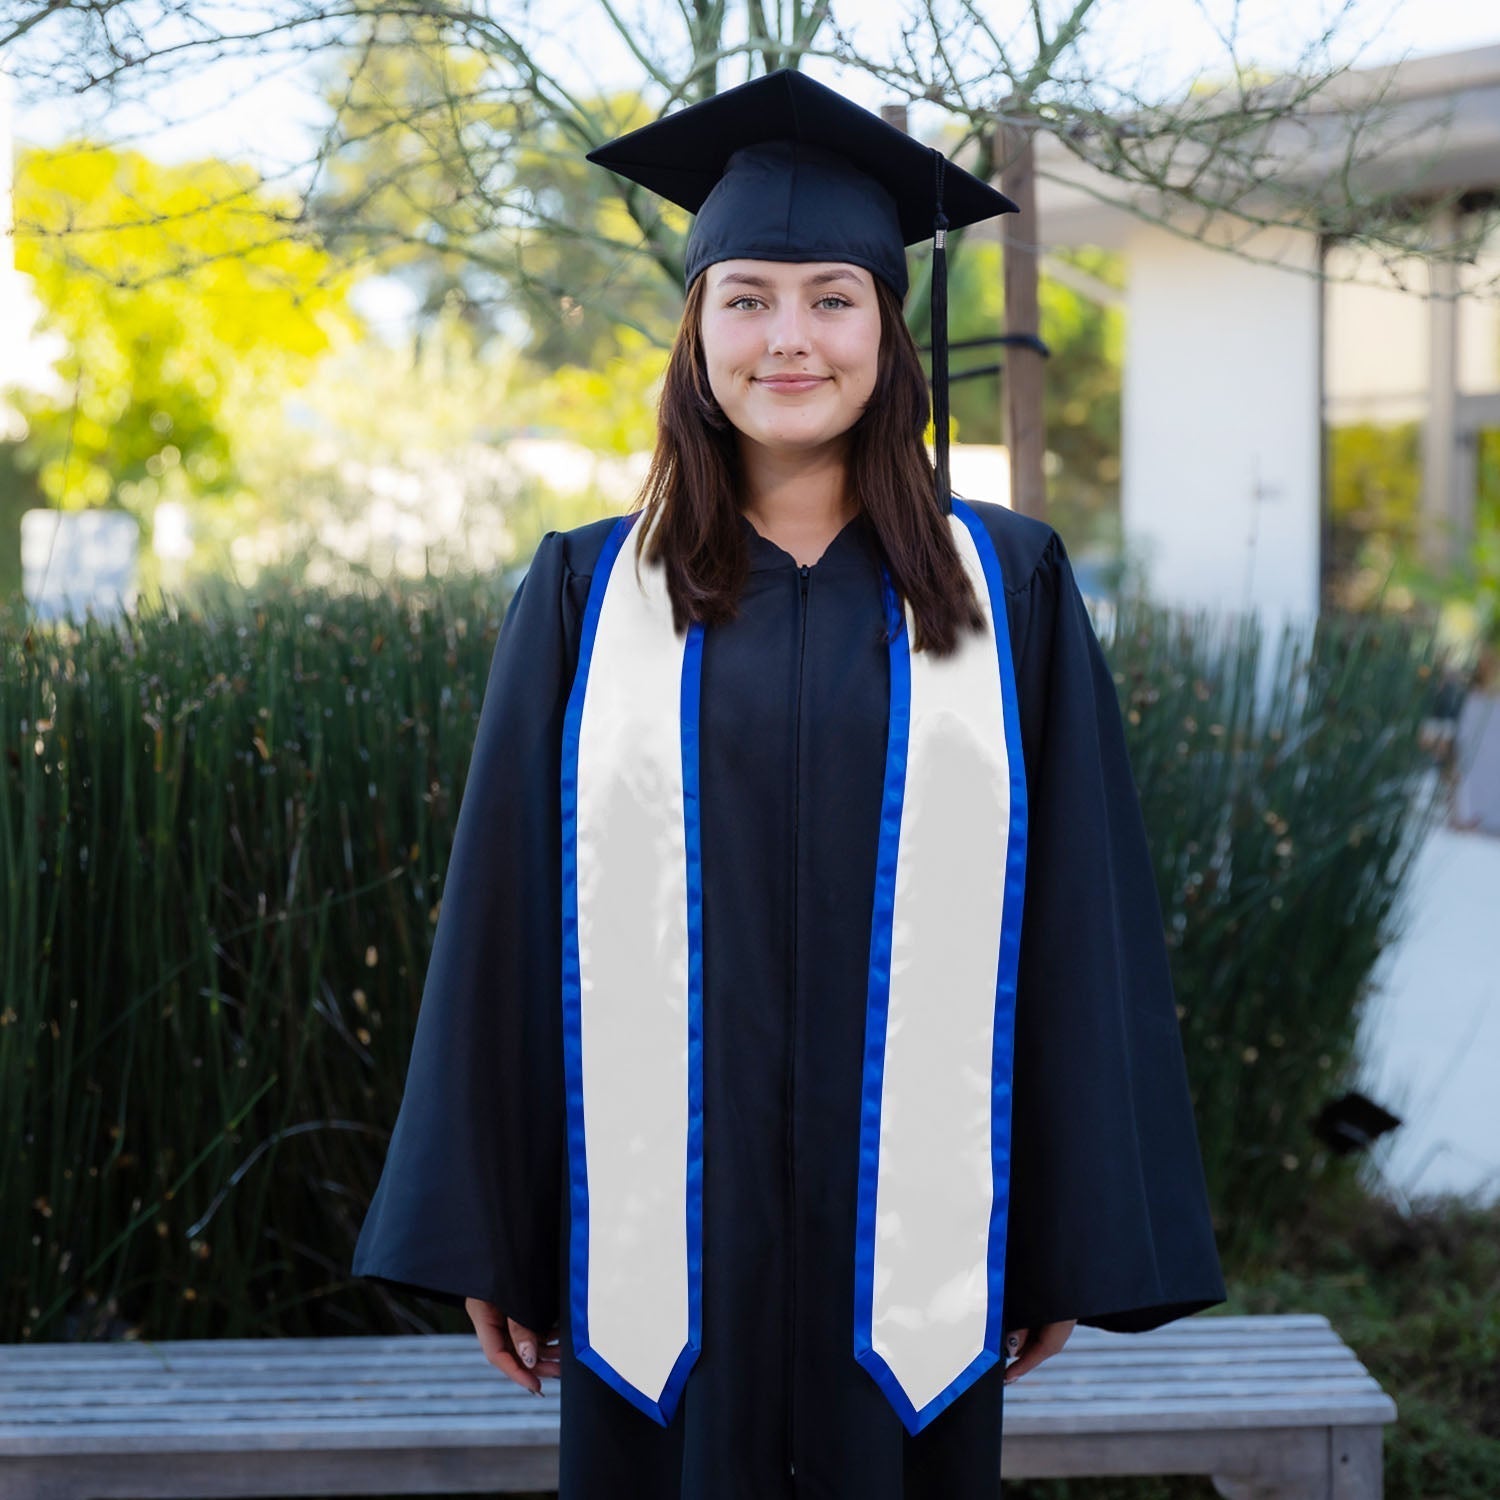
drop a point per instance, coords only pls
(1085, 339)
(475, 105)
(478, 198)
(1374, 482)
(185, 312)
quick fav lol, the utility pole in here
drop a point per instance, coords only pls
(1021, 384)
(1021, 375)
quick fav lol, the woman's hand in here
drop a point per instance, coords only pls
(1031, 1346)
(512, 1348)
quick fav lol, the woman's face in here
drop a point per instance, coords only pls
(791, 348)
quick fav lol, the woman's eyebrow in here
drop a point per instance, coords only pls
(819, 278)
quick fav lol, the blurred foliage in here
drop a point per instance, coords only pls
(1374, 488)
(586, 291)
(399, 458)
(18, 494)
(609, 406)
(224, 825)
(1466, 597)
(472, 197)
(1082, 382)
(232, 378)
(1417, 1297)
(181, 305)
(1376, 557)
(213, 357)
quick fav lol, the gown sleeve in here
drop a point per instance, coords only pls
(468, 1202)
(1110, 1220)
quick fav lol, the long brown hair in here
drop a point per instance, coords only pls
(694, 488)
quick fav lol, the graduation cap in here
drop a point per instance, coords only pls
(785, 168)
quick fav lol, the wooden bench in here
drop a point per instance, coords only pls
(1268, 1406)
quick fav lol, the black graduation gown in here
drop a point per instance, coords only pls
(1109, 1221)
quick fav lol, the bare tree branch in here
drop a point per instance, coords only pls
(1248, 153)
(1297, 150)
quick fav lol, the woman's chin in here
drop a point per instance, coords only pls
(791, 440)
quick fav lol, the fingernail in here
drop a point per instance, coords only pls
(528, 1354)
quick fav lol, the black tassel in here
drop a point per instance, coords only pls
(939, 307)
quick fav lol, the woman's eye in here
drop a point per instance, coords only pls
(832, 297)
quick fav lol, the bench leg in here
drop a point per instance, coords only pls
(1355, 1469)
(1354, 1472)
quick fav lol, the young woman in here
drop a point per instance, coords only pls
(798, 1043)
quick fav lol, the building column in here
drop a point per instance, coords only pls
(1440, 529)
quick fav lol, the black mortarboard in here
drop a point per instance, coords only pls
(785, 168)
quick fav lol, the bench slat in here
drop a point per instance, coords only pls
(1310, 1378)
(31, 1360)
(1181, 1396)
(1077, 1365)
(1232, 1331)
(499, 1430)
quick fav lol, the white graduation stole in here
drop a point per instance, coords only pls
(934, 1155)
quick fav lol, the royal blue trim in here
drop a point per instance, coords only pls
(1010, 926)
(877, 1003)
(692, 673)
(878, 999)
(661, 1410)
(572, 989)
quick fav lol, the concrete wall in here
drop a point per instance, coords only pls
(1220, 426)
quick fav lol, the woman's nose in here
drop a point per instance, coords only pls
(788, 333)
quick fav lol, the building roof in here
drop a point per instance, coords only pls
(1432, 127)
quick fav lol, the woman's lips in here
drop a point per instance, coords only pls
(791, 382)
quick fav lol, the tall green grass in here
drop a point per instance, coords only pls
(1286, 790)
(222, 837)
(223, 830)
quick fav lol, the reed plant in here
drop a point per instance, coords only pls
(222, 836)
(1286, 788)
(223, 830)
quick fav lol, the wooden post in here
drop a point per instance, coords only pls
(1440, 522)
(1021, 383)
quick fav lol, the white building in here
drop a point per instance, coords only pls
(1235, 360)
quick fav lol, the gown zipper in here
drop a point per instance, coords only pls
(791, 1103)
